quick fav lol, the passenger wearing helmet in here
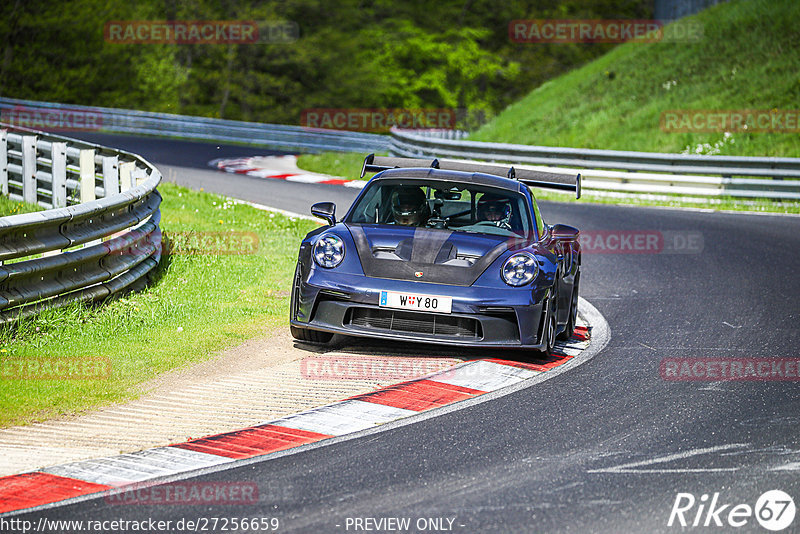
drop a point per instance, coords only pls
(495, 209)
(409, 206)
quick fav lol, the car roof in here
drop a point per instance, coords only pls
(460, 177)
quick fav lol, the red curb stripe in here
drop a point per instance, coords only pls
(451, 387)
(552, 360)
(556, 363)
(419, 395)
(33, 489)
(291, 432)
(235, 169)
(581, 333)
(254, 441)
(219, 446)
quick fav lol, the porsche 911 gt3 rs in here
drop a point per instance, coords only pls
(441, 251)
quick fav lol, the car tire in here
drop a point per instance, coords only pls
(311, 336)
(551, 336)
(573, 310)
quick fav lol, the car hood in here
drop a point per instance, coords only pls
(426, 254)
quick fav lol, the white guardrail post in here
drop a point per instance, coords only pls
(126, 176)
(29, 189)
(110, 175)
(59, 174)
(4, 162)
(87, 176)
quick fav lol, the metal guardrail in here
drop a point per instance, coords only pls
(99, 234)
(37, 114)
(603, 171)
(633, 172)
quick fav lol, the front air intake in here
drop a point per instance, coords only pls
(414, 323)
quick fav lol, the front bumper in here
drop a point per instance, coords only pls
(481, 316)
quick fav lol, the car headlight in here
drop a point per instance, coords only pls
(328, 251)
(520, 269)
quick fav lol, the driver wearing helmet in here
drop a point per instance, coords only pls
(495, 209)
(409, 206)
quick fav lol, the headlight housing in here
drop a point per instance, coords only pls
(520, 269)
(328, 251)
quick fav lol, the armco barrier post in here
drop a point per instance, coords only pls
(110, 175)
(126, 175)
(138, 175)
(86, 163)
(4, 162)
(29, 193)
(59, 172)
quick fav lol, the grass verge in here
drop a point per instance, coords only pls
(201, 303)
(344, 164)
(12, 207)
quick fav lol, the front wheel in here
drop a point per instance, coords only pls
(551, 334)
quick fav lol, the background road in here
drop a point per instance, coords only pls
(186, 163)
(552, 457)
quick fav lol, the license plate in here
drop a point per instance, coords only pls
(413, 301)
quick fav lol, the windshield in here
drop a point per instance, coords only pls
(438, 204)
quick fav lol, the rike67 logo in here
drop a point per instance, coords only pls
(774, 510)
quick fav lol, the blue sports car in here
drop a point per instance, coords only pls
(440, 251)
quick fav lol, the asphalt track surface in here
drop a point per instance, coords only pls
(605, 447)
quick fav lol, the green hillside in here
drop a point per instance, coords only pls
(748, 58)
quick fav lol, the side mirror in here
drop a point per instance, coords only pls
(564, 232)
(326, 211)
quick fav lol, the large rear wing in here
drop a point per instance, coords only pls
(547, 180)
